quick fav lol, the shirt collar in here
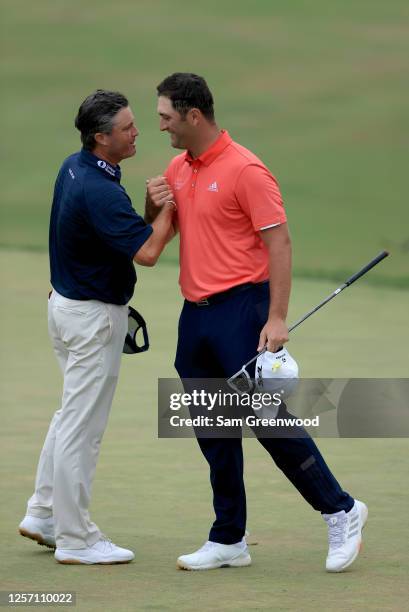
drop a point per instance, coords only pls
(101, 165)
(208, 156)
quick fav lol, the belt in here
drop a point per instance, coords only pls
(219, 297)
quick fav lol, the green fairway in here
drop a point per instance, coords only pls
(317, 89)
(153, 495)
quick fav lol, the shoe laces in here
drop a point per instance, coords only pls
(336, 530)
(207, 546)
(107, 542)
(105, 538)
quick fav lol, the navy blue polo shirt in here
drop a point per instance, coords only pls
(94, 232)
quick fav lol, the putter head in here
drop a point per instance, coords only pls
(241, 382)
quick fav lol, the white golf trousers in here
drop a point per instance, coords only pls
(88, 338)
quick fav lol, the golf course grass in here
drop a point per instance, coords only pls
(153, 496)
(319, 91)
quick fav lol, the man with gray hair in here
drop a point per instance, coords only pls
(95, 238)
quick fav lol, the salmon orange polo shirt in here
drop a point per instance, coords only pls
(223, 198)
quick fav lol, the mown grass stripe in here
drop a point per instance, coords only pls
(338, 275)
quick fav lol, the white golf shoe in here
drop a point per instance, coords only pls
(103, 552)
(345, 536)
(41, 530)
(213, 555)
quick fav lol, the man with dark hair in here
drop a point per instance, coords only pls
(95, 236)
(235, 275)
(187, 91)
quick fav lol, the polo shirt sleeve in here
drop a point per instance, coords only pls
(114, 219)
(258, 194)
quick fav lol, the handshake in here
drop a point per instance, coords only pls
(159, 213)
(158, 195)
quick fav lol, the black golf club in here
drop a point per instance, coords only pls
(241, 379)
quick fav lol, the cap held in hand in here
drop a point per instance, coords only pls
(136, 323)
(276, 372)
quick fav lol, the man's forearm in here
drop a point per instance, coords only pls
(151, 211)
(278, 243)
(275, 333)
(153, 247)
(280, 280)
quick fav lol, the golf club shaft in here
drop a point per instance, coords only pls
(347, 283)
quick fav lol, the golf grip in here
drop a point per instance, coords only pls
(366, 268)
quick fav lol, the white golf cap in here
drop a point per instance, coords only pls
(276, 372)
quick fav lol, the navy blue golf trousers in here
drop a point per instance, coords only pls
(214, 342)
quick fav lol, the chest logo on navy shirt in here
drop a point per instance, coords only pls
(213, 187)
(72, 175)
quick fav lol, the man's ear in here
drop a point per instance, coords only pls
(194, 116)
(101, 139)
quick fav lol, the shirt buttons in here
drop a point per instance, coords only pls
(195, 170)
